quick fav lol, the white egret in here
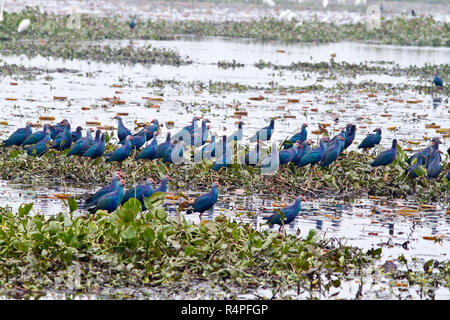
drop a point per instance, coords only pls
(23, 25)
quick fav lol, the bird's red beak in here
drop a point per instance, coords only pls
(302, 197)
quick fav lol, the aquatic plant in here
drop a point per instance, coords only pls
(350, 177)
(421, 31)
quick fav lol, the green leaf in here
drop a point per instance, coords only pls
(73, 205)
(133, 205)
(24, 209)
(129, 233)
(148, 234)
(161, 214)
(155, 200)
(189, 250)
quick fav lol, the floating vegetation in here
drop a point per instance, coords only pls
(421, 31)
(142, 250)
(350, 177)
(28, 73)
(103, 53)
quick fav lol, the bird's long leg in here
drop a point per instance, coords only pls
(375, 172)
(318, 174)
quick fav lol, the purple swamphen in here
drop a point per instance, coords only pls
(350, 131)
(300, 136)
(315, 155)
(92, 200)
(18, 136)
(97, 148)
(264, 134)
(36, 136)
(386, 157)
(237, 136)
(332, 153)
(140, 192)
(371, 140)
(149, 152)
(122, 131)
(205, 201)
(121, 153)
(110, 201)
(289, 212)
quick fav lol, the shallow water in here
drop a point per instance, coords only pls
(356, 107)
(354, 223)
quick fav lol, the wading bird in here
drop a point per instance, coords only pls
(289, 212)
(371, 140)
(205, 201)
(386, 157)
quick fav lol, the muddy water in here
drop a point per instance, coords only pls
(354, 223)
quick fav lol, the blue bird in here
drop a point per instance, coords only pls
(121, 153)
(18, 136)
(386, 157)
(163, 186)
(411, 170)
(289, 212)
(76, 134)
(371, 140)
(97, 138)
(149, 152)
(252, 157)
(299, 136)
(435, 142)
(200, 134)
(112, 186)
(426, 151)
(174, 154)
(56, 130)
(207, 151)
(286, 155)
(341, 142)
(140, 192)
(139, 139)
(110, 201)
(224, 157)
(40, 147)
(304, 148)
(36, 136)
(264, 134)
(205, 201)
(96, 149)
(332, 153)
(81, 146)
(350, 132)
(132, 24)
(237, 136)
(314, 156)
(122, 131)
(151, 129)
(437, 81)
(187, 131)
(63, 140)
(162, 147)
(434, 165)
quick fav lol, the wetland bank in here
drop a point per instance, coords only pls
(358, 235)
